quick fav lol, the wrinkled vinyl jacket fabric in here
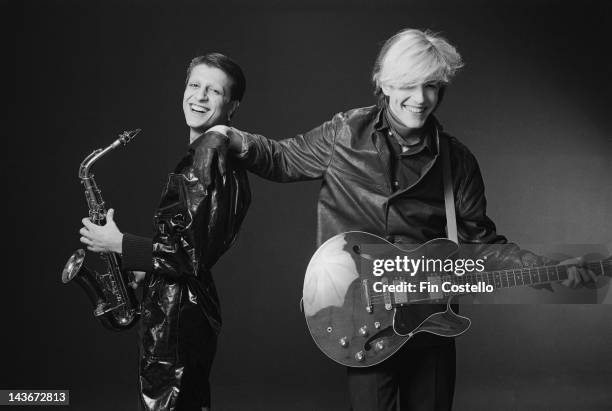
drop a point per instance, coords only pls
(193, 228)
(350, 155)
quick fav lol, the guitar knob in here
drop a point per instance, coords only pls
(363, 331)
(344, 342)
(360, 356)
(380, 344)
(377, 325)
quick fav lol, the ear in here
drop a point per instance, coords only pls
(233, 107)
(386, 89)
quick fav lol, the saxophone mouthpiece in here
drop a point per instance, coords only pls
(128, 135)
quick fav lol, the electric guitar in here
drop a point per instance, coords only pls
(352, 314)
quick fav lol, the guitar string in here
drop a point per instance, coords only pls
(486, 276)
(379, 297)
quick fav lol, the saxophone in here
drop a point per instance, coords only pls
(114, 301)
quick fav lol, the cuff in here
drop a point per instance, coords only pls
(244, 148)
(137, 253)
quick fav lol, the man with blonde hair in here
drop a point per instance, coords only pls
(382, 171)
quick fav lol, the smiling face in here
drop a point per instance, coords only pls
(207, 99)
(412, 105)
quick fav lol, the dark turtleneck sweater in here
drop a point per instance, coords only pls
(408, 161)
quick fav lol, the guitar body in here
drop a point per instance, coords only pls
(356, 327)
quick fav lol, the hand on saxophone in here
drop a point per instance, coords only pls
(102, 238)
(138, 277)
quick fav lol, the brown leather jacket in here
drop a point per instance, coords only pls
(350, 154)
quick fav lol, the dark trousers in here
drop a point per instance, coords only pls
(196, 350)
(414, 379)
(177, 350)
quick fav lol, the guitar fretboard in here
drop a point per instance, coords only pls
(527, 276)
(510, 278)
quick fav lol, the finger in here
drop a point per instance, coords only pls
(97, 249)
(110, 215)
(86, 241)
(221, 164)
(592, 276)
(221, 129)
(139, 276)
(571, 261)
(571, 277)
(577, 277)
(209, 161)
(84, 231)
(87, 223)
(584, 277)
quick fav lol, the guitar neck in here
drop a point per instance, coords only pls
(520, 277)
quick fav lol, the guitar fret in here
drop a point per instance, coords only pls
(527, 277)
(496, 280)
(539, 274)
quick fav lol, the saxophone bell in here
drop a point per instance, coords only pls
(115, 316)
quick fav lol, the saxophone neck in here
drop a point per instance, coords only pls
(127, 136)
(123, 139)
(88, 162)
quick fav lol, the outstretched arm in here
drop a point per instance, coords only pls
(476, 227)
(304, 157)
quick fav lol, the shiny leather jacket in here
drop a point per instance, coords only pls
(350, 154)
(194, 227)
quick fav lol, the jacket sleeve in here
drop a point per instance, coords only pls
(476, 228)
(136, 253)
(218, 211)
(197, 224)
(303, 157)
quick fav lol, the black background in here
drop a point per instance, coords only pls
(531, 103)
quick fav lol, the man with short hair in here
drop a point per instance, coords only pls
(382, 171)
(196, 222)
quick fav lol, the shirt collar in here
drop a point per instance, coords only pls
(431, 142)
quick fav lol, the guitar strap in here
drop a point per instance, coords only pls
(449, 197)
